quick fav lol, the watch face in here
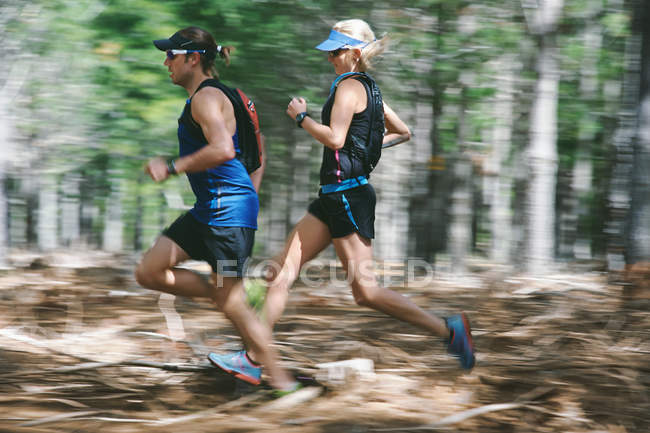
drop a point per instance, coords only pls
(299, 118)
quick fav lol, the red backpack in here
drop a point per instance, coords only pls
(254, 157)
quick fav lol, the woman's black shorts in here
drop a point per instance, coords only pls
(226, 249)
(345, 212)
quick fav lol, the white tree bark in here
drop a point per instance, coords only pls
(48, 213)
(273, 224)
(497, 171)
(542, 152)
(390, 181)
(12, 77)
(391, 178)
(113, 224)
(302, 188)
(420, 155)
(70, 210)
(460, 227)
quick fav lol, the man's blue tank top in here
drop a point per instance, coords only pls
(225, 195)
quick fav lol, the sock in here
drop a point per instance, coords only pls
(253, 363)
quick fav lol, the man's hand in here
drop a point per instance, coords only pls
(157, 169)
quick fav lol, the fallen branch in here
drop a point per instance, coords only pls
(524, 400)
(169, 367)
(461, 416)
(211, 412)
(59, 417)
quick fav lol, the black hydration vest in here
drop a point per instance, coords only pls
(362, 149)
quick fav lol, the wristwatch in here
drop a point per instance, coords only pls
(171, 167)
(300, 117)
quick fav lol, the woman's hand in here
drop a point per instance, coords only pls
(296, 106)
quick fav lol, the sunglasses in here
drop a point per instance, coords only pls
(335, 53)
(172, 53)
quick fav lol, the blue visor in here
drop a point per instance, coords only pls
(338, 40)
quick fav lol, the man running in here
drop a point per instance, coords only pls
(220, 228)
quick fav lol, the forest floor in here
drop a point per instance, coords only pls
(84, 349)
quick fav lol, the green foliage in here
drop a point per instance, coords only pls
(617, 24)
(101, 97)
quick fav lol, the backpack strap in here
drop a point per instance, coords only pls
(247, 131)
(209, 82)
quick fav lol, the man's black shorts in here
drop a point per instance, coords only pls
(226, 249)
(345, 212)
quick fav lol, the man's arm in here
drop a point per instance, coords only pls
(256, 176)
(207, 111)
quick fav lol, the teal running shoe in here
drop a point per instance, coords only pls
(460, 340)
(239, 365)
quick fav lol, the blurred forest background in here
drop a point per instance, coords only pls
(531, 156)
(531, 123)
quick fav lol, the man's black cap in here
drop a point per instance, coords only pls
(177, 42)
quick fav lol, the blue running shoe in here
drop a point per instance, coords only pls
(239, 365)
(460, 340)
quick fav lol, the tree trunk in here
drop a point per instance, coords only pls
(436, 206)
(638, 230)
(4, 205)
(70, 210)
(460, 227)
(620, 184)
(574, 234)
(48, 213)
(497, 170)
(419, 209)
(12, 77)
(302, 188)
(542, 152)
(392, 219)
(5, 139)
(273, 224)
(139, 215)
(113, 224)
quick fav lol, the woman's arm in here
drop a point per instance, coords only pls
(350, 99)
(396, 130)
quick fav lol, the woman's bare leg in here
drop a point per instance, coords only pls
(355, 253)
(306, 241)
